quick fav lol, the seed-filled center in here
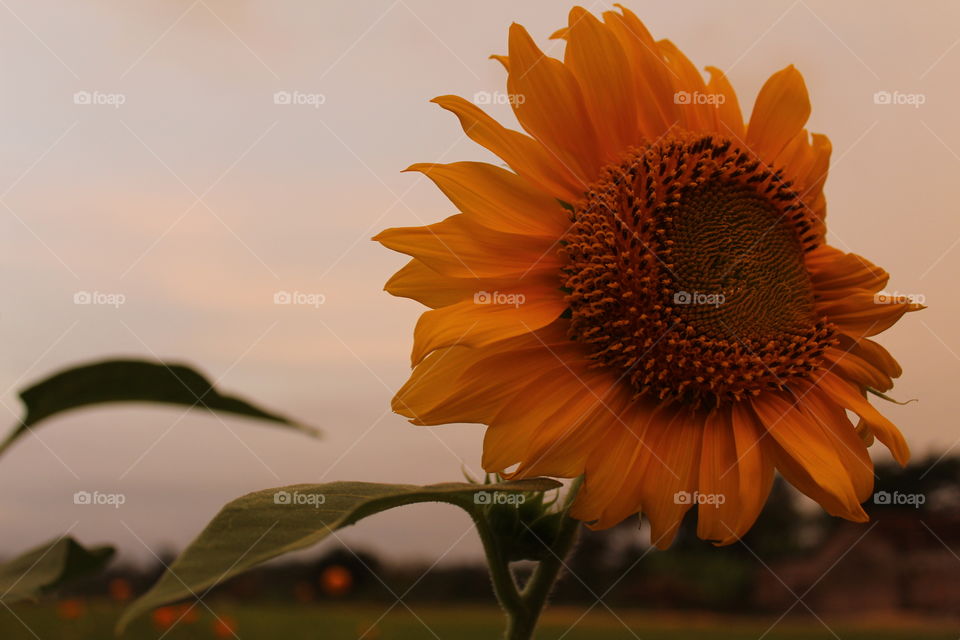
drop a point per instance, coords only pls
(738, 267)
(685, 273)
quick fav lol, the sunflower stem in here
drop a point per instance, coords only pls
(523, 607)
(504, 584)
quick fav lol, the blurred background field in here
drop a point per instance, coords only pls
(333, 622)
(797, 574)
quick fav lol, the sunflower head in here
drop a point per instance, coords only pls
(646, 296)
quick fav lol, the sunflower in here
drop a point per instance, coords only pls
(646, 296)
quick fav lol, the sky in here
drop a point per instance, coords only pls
(145, 159)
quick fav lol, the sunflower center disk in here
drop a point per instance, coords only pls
(685, 272)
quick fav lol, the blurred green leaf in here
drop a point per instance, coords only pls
(130, 381)
(266, 524)
(35, 572)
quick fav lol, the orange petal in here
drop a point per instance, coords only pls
(718, 516)
(808, 457)
(694, 114)
(464, 384)
(835, 273)
(873, 353)
(562, 446)
(597, 60)
(547, 402)
(754, 465)
(781, 110)
(848, 397)
(503, 60)
(668, 464)
(550, 106)
(862, 313)
(653, 78)
(419, 282)
(851, 450)
(853, 367)
(498, 199)
(611, 489)
(729, 118)
(476, 324)
(524, 154)
(460, 248)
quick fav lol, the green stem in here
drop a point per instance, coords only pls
(504, 585)
(524, 607)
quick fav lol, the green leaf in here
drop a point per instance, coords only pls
(266, 524)
(130, 381)
(30, 575)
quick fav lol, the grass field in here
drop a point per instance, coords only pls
(327, 622)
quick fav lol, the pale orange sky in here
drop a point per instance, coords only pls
(198, 198)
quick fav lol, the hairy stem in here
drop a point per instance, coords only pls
(523, 607)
